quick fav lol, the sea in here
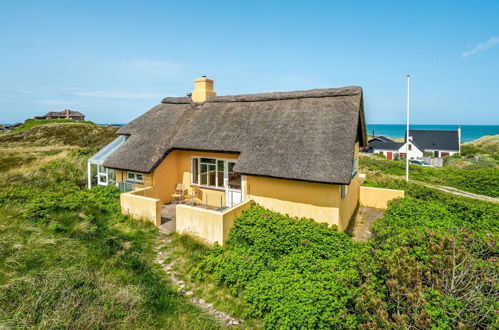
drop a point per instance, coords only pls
(468, 132)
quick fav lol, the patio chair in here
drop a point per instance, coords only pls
(193, 196)
(179, 194)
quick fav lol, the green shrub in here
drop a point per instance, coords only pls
(479, 180)
(293, 273)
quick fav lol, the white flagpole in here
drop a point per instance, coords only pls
(407, 134)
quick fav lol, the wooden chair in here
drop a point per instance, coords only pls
(179, 194)
(195, 194)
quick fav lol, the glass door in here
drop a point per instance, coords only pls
(233, 186)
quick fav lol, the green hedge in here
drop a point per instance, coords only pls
(296, 273)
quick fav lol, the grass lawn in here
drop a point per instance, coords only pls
(484, 181)
(68, 257)
(30, 123)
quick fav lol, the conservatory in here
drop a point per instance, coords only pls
(98, 174)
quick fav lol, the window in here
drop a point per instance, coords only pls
(234, 178)
(344, 191)
(195, 170)
(410, 147)
(214, 173)
(354, 169)
(220, 173)
(135, 177)
(208, 172)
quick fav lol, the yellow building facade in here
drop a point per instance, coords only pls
(329, 203)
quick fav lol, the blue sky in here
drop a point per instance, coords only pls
(113, 60)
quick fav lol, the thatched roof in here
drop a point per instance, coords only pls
(63, 113)
(302, 135)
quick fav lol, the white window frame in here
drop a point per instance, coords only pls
(344, 191)
(354, 168)
(224, 186)
(103, 173)
(134, 179)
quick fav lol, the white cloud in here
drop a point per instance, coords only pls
(153, 66)
(481, 47)
(109, 94)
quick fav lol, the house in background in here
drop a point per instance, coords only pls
(292, 152)
(64, 114)
(438, 143)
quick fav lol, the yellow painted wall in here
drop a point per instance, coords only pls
(176, 168)
(321, 202)
(141, 205)
(296, 198)
(211, 226)
(378, 197)
(348, 204)
(123, 175)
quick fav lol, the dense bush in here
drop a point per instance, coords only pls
(429, 264)
(294, 273)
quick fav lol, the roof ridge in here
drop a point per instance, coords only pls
(274, 96)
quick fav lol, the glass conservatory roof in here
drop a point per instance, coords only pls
(102, 154)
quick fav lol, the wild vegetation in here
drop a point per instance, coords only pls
(474, 179)
(429, 264)
(30, 123)
(68, 258)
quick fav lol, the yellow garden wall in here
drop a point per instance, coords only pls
(141, 204)
(209, 225)
(378, 197)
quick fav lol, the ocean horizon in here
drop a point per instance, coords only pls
(468, 132)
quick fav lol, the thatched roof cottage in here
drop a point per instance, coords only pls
(64, 114)
(293, 152)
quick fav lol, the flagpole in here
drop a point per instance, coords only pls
(407, 133)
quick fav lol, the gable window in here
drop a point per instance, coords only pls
(135, 177)
(410, 147)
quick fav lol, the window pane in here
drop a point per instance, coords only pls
(234, 178)
(220, 173)
(102, 169)
(139, 177)
(111, 174)
(204, 174)
(208, 160)
(131, 176)
(212, 173)
(102, 179)
(195, 178)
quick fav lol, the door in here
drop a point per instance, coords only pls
(389, 155)
(233, 185)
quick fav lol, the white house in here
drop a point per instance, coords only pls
(439, 143)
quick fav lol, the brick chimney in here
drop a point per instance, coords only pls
(203, 89)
